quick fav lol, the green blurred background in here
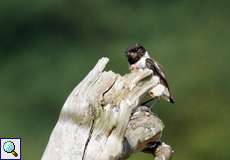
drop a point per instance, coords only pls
(48, 46)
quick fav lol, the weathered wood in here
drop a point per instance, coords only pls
(101, 119)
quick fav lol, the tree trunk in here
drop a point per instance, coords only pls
(102, 120)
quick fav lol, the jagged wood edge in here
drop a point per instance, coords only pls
(98, 110)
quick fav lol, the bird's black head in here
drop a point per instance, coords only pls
(134, 53)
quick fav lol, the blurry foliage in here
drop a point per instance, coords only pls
(48, 46)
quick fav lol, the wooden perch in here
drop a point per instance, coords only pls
(102, 120)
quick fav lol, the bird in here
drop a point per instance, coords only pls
(139, 58)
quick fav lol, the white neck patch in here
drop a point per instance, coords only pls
(146, 55)
(142, 62)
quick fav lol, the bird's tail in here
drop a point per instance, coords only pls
(168, 96)
(171, 99)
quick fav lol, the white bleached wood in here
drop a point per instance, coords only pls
(101, 119)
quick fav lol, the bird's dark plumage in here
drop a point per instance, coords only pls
(134, 53)
(138, 58)
(158, 70)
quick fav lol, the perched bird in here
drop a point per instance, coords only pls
(139, 58)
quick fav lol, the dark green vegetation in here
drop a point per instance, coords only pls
(48, 46)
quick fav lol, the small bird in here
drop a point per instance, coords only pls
(139, 58)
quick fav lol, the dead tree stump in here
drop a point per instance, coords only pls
(102, 120)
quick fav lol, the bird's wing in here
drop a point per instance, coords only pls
(158, 70)
(156, 67)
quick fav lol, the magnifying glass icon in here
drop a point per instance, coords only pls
(9, 147)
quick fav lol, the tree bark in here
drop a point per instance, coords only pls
(102, 120)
